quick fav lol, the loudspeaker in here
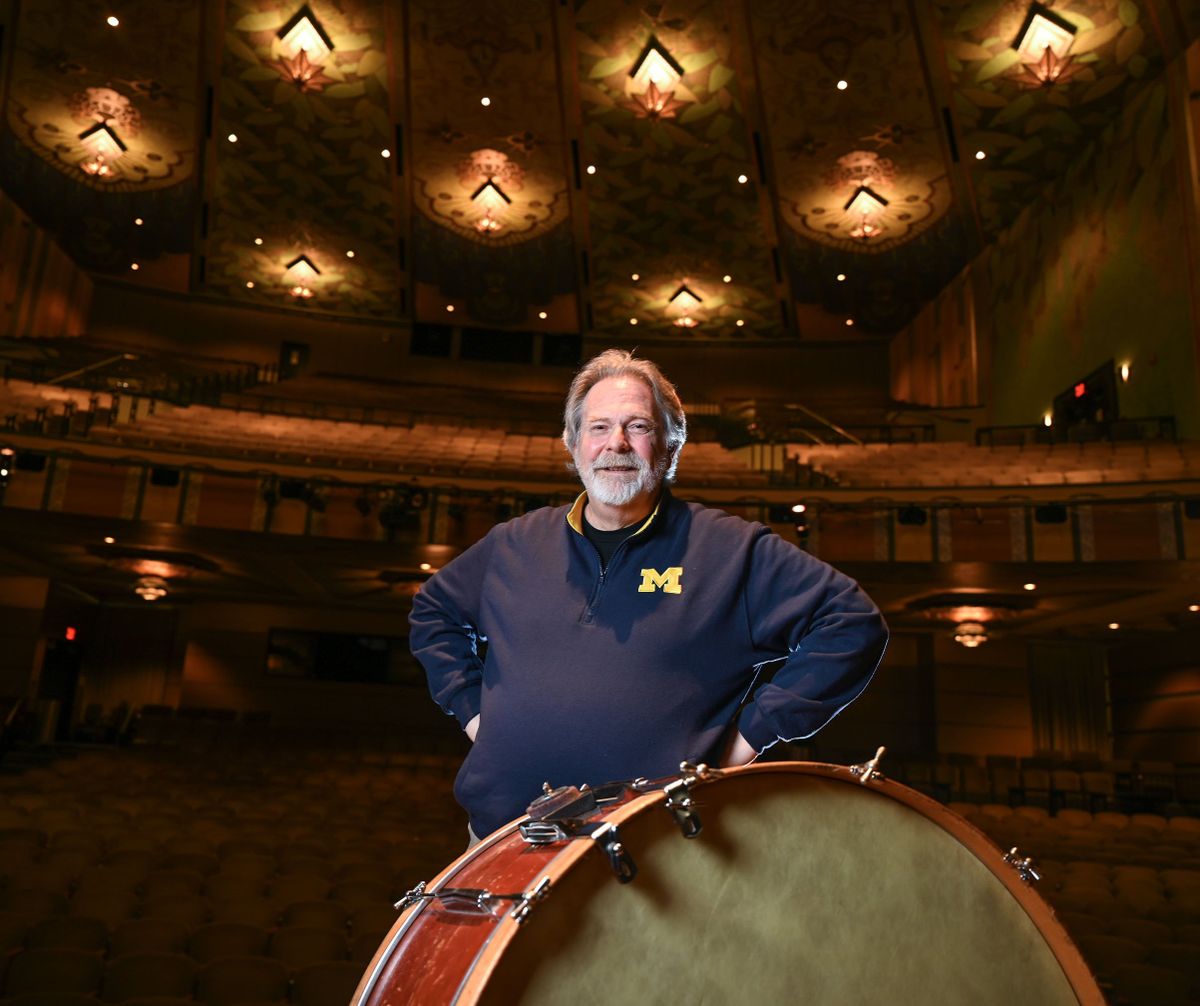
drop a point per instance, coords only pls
(1191, 508)
(914, 515)
(1050, 513)
(166, 477)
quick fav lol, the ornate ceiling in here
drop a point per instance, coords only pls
(693, 170)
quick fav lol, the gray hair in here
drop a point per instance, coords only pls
(619, 363)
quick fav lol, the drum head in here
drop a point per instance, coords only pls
(802, 888)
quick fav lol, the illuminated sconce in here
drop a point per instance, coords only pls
(655, 75)
(1124, 371)
(1042, 44)
(103, 146)
(863, 202)
(304, 34)
(1048, 420)
(970, 634)
(151, 588)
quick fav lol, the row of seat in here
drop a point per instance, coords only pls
(134, 978)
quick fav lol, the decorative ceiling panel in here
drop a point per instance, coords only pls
(307, 175)
(1030, 132)
(677, 244)
(858, 153)
(111, 106)
(489, 160)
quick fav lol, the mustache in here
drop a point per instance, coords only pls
(610, 459)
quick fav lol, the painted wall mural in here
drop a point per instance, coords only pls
(665, 207)
(303, 208)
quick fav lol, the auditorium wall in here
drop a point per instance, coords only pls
(22, 600)
(225, 667)
(1155, 692)
(1101, 268)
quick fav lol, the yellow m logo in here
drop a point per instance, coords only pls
(667, 581)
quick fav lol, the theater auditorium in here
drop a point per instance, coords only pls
(291, 295)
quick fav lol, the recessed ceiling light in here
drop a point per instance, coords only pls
(112, 21)
(134, 266)
(727, 278)
(633, 321)
(798, 508)
(450, 308)
(349, 253)
(591, 169)
(842, 85)
(1030, 586)
(740, 322)
(138, 221)
(258, 241)
(385, 153)
(742, 179)
(249, 284)
(635, 277)
(485, 101)
(232, 137)
(849, 321)
(1194, 607)
(1114, 625)
(980, 155)
(426, 567)
(542, 315)
(841, 277)
(109, 539)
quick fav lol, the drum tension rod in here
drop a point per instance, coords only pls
(869, 771)
(1022, 864)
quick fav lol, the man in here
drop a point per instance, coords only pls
(625, 632)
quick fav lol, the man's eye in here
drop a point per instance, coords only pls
(598, 428)
(640, 428)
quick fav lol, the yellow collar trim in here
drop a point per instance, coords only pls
(575, 515)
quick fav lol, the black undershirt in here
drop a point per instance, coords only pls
(606, 542)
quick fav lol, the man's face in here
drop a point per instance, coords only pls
(620, 456)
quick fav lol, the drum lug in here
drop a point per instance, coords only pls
(1022, 864)
(609, 840)
(679, 797)
(868, 771)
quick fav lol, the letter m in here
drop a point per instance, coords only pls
(667, 581)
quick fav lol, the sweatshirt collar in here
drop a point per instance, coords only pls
(575, 514)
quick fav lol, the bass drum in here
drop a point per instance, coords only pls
(807, 883)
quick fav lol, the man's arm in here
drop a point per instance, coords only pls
(833, 634)
(443, 634)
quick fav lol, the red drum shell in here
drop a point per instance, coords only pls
(804, 885)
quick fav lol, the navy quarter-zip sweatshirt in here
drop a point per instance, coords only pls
(595, 675)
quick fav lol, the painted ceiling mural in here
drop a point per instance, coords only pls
(489, 162)
(303, 208)
(648, 170)
(94, 108)
(1028, 130)
(677, 246)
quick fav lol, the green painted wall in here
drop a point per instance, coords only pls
(1098, 270)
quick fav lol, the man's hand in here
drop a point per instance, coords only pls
(472, 728)
(739, 753)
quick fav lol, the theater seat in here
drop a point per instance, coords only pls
(59, 972)
(234, 981)
(330, 984)
(1147, 985)
(136, 976)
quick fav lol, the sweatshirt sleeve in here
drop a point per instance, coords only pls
(832, 633)
(443, 631)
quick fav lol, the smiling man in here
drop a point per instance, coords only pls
(632, 631)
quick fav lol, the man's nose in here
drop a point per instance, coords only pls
(617, 440)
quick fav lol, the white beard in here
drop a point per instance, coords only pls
(621, 488)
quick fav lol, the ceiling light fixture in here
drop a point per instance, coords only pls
(304, 33)
(685, 298)
(350, 253)
(134, 266)
(842, 85)
(232, 137)
(633, 321)
(485, 102)
(300, 292)
(863, 202)
(980, 155)
(104, 145)
(258, 241)
(542, 315)
(450, 308)
(849, 321)
(841, 277)
(385, 154)
(1114, 625)
(740, 322)
(1029, 586)
(1048, 420)
(591, 169)
(249, 284)
(302, 268)
(970, 634)
(635, 277)
(112, 21)
(742, 179)
(109, 540)
(1194, 607)
(727, 278)
(151, 588)
(655, 66)
(1042, 45)
(138, 221)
